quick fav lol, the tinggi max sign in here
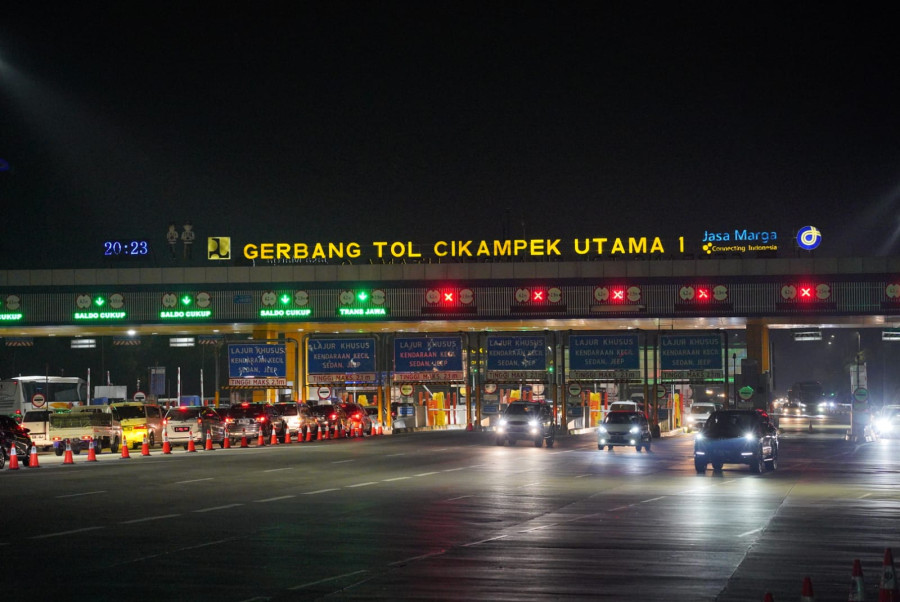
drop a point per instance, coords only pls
(513, 358)
(257, 364)
(604, 357)
(421, 359)
(331, 361)
(697, 356)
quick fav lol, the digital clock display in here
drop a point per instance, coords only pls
(126, 248)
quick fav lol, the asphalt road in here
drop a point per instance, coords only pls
(450, 516)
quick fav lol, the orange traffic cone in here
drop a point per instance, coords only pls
(125, 453)
(857, 589)
(319, 434)
(380, 429)
(308, 434)
(13, 458)
(33, 458)
(471, 428)
(327, 434)
(226, 444)
(92, 451)
(262, 439)
(373, 430)
(191, 446)
(287, 435)
(145, 447)
(807, 594)
(888, 591)
(67, 458)
(244, 439)
(273, 440)
(208, 446)
(167, 447)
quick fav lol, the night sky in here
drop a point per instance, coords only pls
(370, 121)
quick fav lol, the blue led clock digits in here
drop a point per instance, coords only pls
(126, 248)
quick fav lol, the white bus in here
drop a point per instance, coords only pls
(19, 394)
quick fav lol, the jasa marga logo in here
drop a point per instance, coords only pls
(809, 237)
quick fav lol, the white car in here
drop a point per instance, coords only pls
(887, 423)
(698, 415)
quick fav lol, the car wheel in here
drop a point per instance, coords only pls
(773, 463)
(758, 464)
(2, 458)
(609, 448)
(152, 439)
(539, 442)
(717, 466)
(114, 446)
(59, 450)
(550, 442)
(699, 466)
(647, 445)
(600, 447)
(637, 447)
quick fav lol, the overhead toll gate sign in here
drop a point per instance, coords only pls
(333, 361)
(422, 359)
(604, 357)
(257, 365)
(695, 356)
(513, 358)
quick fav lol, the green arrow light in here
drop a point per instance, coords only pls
(99, 301)
(285, 299)
(186, 300)
(362, 295)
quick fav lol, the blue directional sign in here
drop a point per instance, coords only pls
(604, 357)
(341, 360)
(516, 357)
(690, 352)
(428, 359)
(256, 360)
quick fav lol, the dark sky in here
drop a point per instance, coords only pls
(400, 121)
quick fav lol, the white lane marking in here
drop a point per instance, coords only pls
(318, 491)
(311, 583)
(581, 476)
(865, 495)
(750, 532)
(361, 484)
(277, 469)
(453, 469)
(343, 461)
(462, 497)
(620, 508)
(192, 481)
(442, 449)
(395, 455)
(425, 474)
(652, 499)
(538, 528)
(396, 479)
(214, 508)
(475, 543)
(530, 484)
(148, 518)
(568, 451)
(63, 533)
(59, 497)
(414, 558)
(275, 499)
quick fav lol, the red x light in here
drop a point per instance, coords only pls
(702, 294)
(617, 295)
(538, 295)
(806, 292)
(447, 296)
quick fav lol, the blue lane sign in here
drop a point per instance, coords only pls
(690, 352)
(341, 360)
(256, 360)
(604, 352)
(516, 357)
(428, 359)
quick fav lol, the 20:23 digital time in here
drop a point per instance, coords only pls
(119, 248)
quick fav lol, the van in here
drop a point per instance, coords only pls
(139, 420)
(36, 421)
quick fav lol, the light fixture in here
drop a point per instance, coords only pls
(808, 335)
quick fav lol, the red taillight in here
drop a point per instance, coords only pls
(260, 418)
(140, 427)
(358, 415)
(229, 420)
(199, 421)
(333, 417)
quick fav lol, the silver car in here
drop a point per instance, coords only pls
(186, 423)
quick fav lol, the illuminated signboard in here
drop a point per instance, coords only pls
(303, 312)
(691, 356)
(256, 360)
(340, 360)
(422, 359)
(516, 358)
(185, 314)
(92, 309)
(183, 307)
(362, 304)
(11, 316)
(9, 309)
(604, 357)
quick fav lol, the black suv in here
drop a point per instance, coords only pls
(526, 420)
(12, 432)
(737, 437)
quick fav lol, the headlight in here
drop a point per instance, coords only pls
(699, 436)
(534, 423)
(634, 430)
(602, 429)
(691, 419)
(883, 425)
(749, 436)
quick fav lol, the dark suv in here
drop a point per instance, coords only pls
(12, 432)
(251, 419)
(526, 420)
(737, 437)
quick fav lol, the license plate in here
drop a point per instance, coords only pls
(182, 429)
(244, 421)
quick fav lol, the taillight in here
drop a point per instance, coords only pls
(140, 427)
(260, 418)
(333, 417)
(165, 421)
(199, 421)
(229, 420)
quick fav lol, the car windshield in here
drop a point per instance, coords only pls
(728, 424)
(520, 409)
(38, 416)
(288, 409)
(128, 412)
(245, 411)
(182, 414)
(621, 417)
(322, 410)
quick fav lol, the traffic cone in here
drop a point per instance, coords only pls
(262, 439)
(273, 440)
(208, 446)
(319, 433)
(287, 436)
(125, 453)
(857, 588)
(888, 591)
(33, 458)
(327, 434)
(244, 439)
(167, 447)
(373, 430)
(67, 458)
(807, 594)
(191, 446)
(92, 452)
(13, 458)
(380, 429)
(226, 444)
(145, 447)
